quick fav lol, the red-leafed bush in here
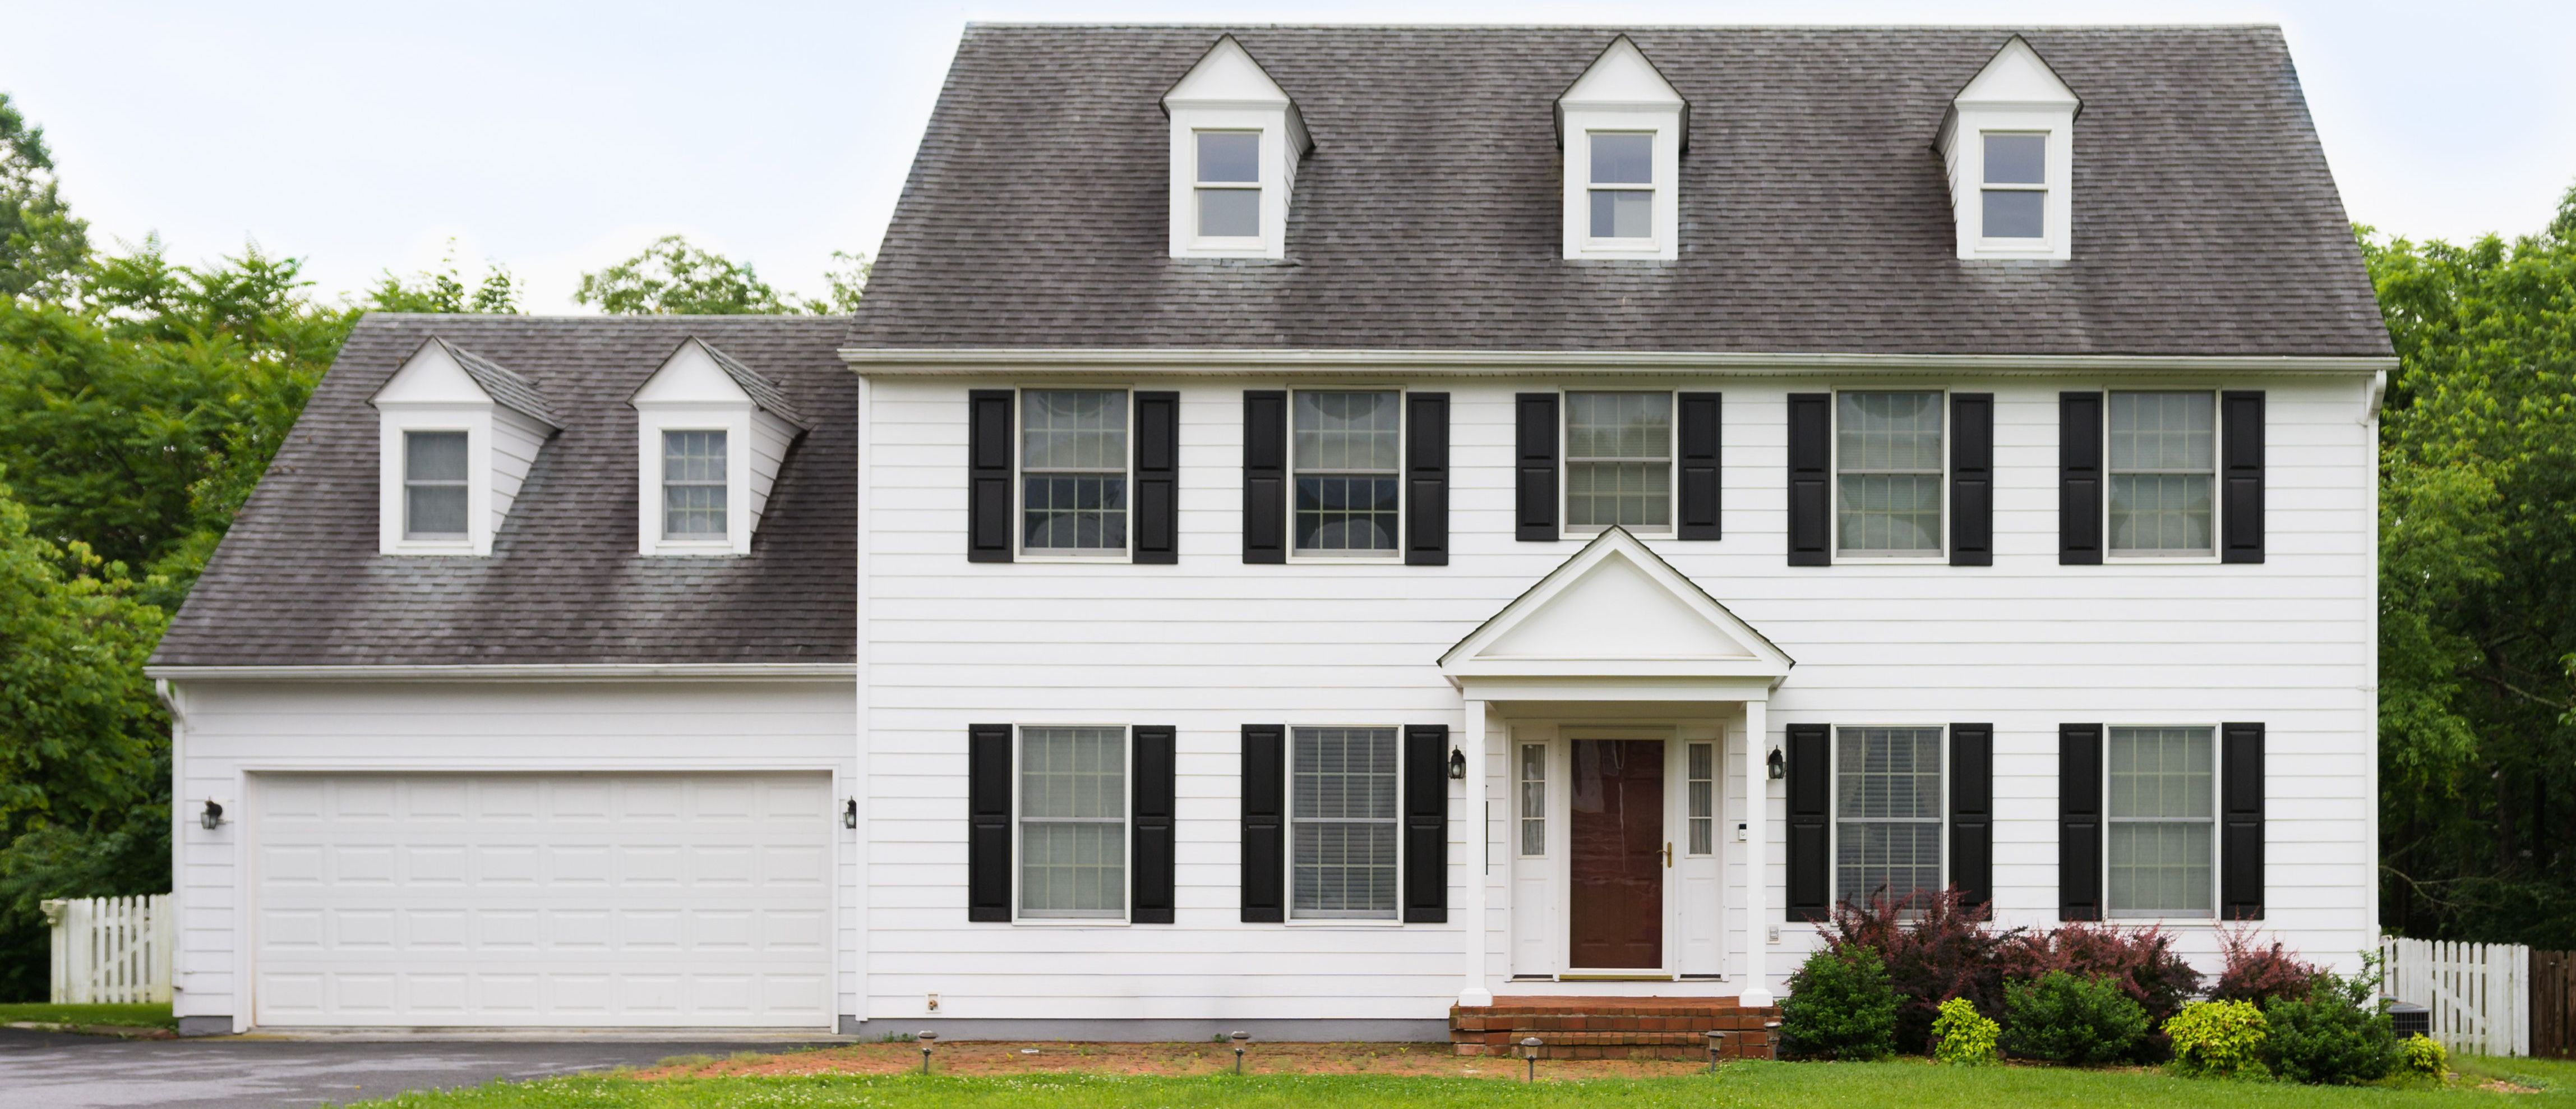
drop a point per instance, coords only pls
(2258, 972)
(2141, 961)
(1936, 947)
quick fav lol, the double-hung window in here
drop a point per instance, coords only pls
(1073, 823)
(434, 485)
(1346, 453)
(1229, 184)
(1073, 472)
(2015, 190)
(1342, 824)
(693, 485)
(1887, 458)
(1623, 184)
(1887, 813)
(1619, 461)
(2163, 474)
(2162, 832)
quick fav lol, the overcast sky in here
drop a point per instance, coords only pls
(557, 138)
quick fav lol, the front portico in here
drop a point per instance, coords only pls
(1614, 690)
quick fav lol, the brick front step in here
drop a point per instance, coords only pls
(1612, 1027)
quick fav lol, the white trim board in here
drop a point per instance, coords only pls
(543, 672)
(1158, 362)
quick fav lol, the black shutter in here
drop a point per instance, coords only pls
(1702, 491)
(2079, 480)
(2240, 464)
(1426, 823)
(1810, 785)
(1158, 471)
(1811, 458)
(1265, 476)
(988, 827)
(2240, 837)
(988, 475)
(1972, 479)
(1534, 464)
(1972, 812)
(1426, 476)
(1265, 836)
(2079, 822)
(1152, 879)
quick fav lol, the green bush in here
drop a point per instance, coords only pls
(2062, 1018)
(2219, 1039)
(1840, 1006)
(1962, 1036)
(2421, 1054)
(2336, 1035)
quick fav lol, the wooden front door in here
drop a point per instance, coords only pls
(1616, 867)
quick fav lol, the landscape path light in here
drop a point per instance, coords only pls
(1716, 1047)
(1239, 1038)
(926, 1039)
(1771, 1036)
(1529, 1051)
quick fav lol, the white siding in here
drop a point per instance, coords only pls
(515, 442)
(1211, 644)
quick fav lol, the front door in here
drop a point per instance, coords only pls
(1618, 855)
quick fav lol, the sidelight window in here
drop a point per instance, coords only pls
(1703, 798)
(1533, 799)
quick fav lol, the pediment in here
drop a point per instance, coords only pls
(1622, 75)
(1616, 609)
(2017, 75)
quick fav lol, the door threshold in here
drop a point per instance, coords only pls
(1614, 978)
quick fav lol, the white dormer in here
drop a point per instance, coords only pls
(459, 433)
(1622, 126)
(711, 435)
(2009, 143)
(1236, 140)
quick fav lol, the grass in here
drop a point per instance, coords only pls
(1896, 1085)
(2549, 1075)
(122, 1016)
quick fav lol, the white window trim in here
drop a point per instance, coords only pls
(2217, 826)
(1834, 491)
(1020, 484)
(1672, 464)
(2057, 181)
(1664, 124)
(1403, 503)
(1278, 180)
(2217, 488)
(1288, 833)
(735, 421)
(475, 420)
(1127, 837)
(1834, 801)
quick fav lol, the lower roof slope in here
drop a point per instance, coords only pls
(1815, 209)
(298, 582)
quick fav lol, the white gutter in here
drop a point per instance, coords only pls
(565, 672)
(940, 361)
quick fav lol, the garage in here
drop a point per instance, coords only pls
(542, 900)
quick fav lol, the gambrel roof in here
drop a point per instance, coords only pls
(1815, 208)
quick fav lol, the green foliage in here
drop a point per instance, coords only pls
(2477, 652)
(119, 1016)
(41, 244)
(1840, 1006)
(2336, 1035)
(2066, 1019)
(2422, 1055)
(673, 277)
(2219, 1039)
(844, 281)
(1962, 1036)
(445, 292)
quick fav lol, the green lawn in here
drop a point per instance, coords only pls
(1901, 1085)
(122, 1016)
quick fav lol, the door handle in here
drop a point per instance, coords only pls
(1668, 855)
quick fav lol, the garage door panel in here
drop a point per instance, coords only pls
(507, 900)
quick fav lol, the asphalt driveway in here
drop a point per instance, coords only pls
(47, 1070)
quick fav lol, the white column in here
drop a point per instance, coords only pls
(1471, 915)
(1757, 871)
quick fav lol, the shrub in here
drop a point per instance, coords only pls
(2335, 1034)
(2066, 1019)
(1840, 1006)
(2141, 961)
(2258, 973)
(1936, 947)
(1962, 1036)
(2421, 1054)
(2219, 1039)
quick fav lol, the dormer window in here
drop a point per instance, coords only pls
(693, 485)
(458, 434)
(1623, 127)
(2009, 145)
(1236, 140)
(434, 485)
(711, 437)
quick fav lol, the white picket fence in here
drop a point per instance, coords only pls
(2479, 993)
(112, 950)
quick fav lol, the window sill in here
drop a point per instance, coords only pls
(1226, 248)
(1934, 559)
(1639, 532)
(683, 549)
(1361, 558)
(2016, 248)
(1119, 558)
(1070, 922)
(433, 547)
(1396, 922)
(2161, 560)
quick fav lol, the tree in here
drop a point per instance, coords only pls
(672, 277)
(41, 244)
(444, 291)
(2477, 702)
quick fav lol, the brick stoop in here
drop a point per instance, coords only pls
(1612, 1027)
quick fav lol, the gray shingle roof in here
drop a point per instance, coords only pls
(1816, 217)
(761, 390)
(506, 388)
(298, 580)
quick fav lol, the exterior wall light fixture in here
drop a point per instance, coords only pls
(214, 814)
(1779, 764)
(1457, 765)
(850, 813)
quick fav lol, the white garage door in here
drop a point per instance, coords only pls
(501, 900)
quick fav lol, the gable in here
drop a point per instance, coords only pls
(1622, 76)
(2017, 76)
(1615, 609)
(431, 376)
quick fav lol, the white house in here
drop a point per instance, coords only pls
(1317, 529)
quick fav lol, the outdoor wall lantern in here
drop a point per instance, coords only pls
(1457, 764)
(213, 815)
(850, 813)
(1779, 764)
